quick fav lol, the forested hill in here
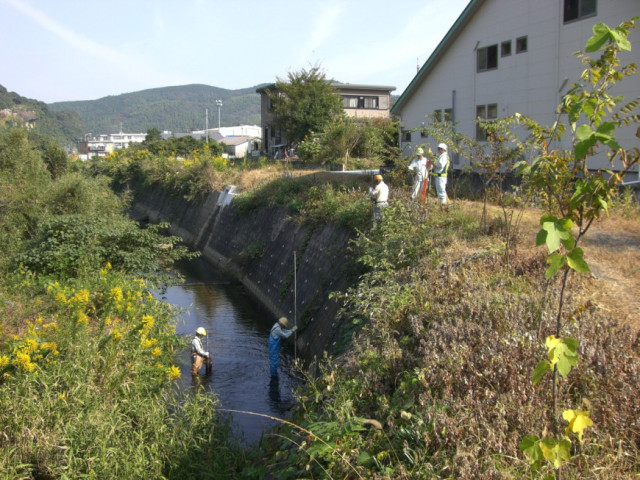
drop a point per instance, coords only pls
(177, 109)
(61, 124)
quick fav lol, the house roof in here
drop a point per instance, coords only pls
(232, 141)
(462, 21)
(340, 86)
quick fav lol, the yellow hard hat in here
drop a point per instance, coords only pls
(283, 321)
(201, 331)
(378, 177)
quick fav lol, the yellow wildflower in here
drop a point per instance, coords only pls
(106, 268)
(4, 361)
(173, 372)
(156, 352)
(28, 346)
(23, 362)
(50, 346)
(50, 326)
(115, 334)
(83, 319)
(148, 343)
(81, 297)
(147, 321)
(116, 294)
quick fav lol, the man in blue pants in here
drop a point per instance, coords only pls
(278, 332)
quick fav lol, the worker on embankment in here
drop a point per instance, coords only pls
(380, 197)
(198, 355)
(278, 332)
(420, 166)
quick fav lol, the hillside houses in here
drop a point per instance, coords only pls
(103, 145)
(506, 56)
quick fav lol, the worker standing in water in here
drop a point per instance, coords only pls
(278, 332)
(198, 355)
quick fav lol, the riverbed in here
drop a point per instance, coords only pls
(237, 335)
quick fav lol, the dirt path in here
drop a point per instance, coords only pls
(612, 250)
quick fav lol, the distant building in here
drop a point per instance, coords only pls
(103, 145)
(358, 101)
(239, 141)
(502, 57)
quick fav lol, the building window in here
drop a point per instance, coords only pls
(578, 9)
(505, 48)
(349, 102)
(488, 58)
(485, 112)
(406, 136)
(352, 101)
(521, 44)
(442, 115)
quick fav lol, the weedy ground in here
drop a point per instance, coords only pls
(447, 327)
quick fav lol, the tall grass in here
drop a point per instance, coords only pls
(86, 390)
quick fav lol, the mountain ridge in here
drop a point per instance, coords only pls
(178, 109)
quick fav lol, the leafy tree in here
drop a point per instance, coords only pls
(56, 159)
(345, 138)
(23, 179)
(305, 103)
(579, 198)
(153, 135)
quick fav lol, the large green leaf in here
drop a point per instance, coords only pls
(530, 446)
(542, 368)
(556, 262)
(575, 260)
(556, 231)
(601, 33)
(620, 37)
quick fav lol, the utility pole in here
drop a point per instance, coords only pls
(219, 104)
(206, 123)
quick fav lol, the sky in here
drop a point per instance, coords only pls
(65, 50)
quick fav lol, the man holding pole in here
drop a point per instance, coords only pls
(420, 165)
(278, 332)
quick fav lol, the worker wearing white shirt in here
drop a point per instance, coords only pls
(419, 165)
(380, 197)
(198, 355)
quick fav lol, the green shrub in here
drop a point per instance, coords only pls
(69, 246)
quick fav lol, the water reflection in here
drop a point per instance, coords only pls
(237, 335)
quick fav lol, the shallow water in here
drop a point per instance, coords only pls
(237, 336)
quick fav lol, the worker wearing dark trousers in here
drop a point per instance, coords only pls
(278, 332)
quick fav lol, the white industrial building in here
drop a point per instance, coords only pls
(511, 56)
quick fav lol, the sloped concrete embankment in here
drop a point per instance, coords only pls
(257, 248)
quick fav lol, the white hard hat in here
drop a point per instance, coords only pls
(419, 151)
(443, 146)
(201, 331)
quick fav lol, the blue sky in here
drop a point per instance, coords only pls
(59, 50)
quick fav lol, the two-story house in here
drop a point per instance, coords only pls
(502, 57)
(358, 101)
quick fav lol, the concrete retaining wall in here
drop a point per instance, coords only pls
(257, 249)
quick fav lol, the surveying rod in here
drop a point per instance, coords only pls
(295, 305)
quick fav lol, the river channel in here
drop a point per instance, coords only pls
(237, 341)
